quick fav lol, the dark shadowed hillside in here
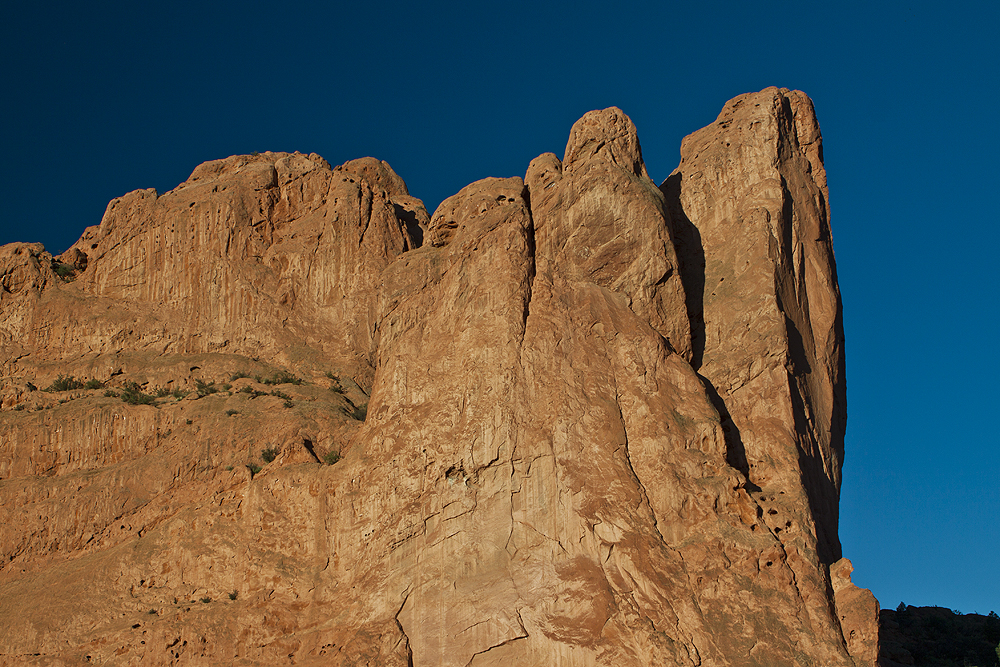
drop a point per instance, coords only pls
(938, 637)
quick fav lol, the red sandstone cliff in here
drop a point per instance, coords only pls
(604, 418)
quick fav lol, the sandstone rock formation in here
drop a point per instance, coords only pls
(858, 612)
(581, 420)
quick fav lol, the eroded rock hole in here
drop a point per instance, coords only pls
(455, 473)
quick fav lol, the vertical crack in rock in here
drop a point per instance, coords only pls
(523, 635)
(366, 199)
(635, 476)
(510, 533)
(692, 265)
(736, 455)
(530, 231)
(402, 632)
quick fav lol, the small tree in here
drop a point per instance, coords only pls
(205, 388)
(133, 395)
(65, 383)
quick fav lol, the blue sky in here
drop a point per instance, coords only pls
(104, 98)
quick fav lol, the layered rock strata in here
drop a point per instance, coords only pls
(580, 419)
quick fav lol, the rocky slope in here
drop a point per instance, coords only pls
(580, 419)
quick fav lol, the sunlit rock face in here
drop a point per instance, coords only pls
(572, 419)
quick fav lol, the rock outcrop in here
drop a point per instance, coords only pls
(575, 419)
(858, 613)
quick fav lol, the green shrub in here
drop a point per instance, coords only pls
(238, 375)
(336, 387)
(133, 395)
(359, 412)
(281, 394)
(253, 392)
(93, 383)
(206, 599)
(162, 392)
(235, 594)
(64, 271)
(281, 377)
(254, 469)
(289, 404)
(232, 412)
(179, 393)
(110, 393)
(269, 454)
(65, 383)
(331, 457)
(205, 388)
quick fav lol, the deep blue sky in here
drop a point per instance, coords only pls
(103, 98)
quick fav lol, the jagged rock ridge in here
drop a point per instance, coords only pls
(604, 418)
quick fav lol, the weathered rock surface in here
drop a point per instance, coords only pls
(600, 218)
(273, 256)
(749, 202)
(858, 613)
(580, 448)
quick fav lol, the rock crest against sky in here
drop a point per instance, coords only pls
(581, 419)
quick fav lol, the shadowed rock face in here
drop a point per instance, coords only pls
(749, 201)
(604, 419)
